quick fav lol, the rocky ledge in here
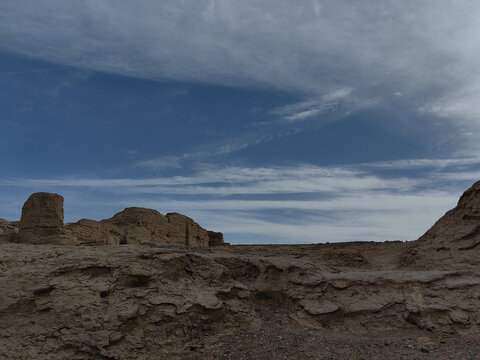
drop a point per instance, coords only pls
(151, 302)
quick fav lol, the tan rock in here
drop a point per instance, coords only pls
(141, 226)
(42, 223)
(42, 220)
(91, 232)
(460, 227)
(154, 303)
(8, 230)
(183, 230)
(318, 307)
(215, 238)
(454, 235)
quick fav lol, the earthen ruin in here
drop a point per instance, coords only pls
(42, 223)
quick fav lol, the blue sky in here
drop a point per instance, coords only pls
(272, 121)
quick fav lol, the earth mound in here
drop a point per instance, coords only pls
(459, 228)
(455, 235)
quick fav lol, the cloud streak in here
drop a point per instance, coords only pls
(335, 57)
(304, 203)
(324, 105)
(30, 71)
(424, 50)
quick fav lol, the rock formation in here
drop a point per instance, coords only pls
(141, 226)
(456, 234)
(181, 228)
(459, 228)
(91, 232)
(216, 239)
(42, 223)
(42, 220)
(8, 230)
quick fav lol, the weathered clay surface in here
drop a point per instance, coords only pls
(42, 223)
(146, 226)
(215, 238)
(140, 226)
(183, 230)
(8, 230)
(455, 235)
(91, 232)
(42, 220)
(130, 302)
(459, 228)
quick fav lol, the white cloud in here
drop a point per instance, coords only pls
(425, 163)
(338, 56)
(163, 162)
(326, 104)
(31, 71)
(428, 51)
(361, 226)
(286, 204)
(370, 203)
(239, 181)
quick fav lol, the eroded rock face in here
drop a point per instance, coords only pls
(42, 220)
(456, 234)
(215, 238)
(140, 302)
(140, 225)
(183, 230)
(91, 232)
(8, 230)
(459, 228)
(42, 223)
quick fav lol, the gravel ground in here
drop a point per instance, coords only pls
(278, 336)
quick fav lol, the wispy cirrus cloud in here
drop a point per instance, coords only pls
(426, 51)
(324, 105)
(335, 58)
(237, 181)
(32, 71)
(425, 163)
(303, 203)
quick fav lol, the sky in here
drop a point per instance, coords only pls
(273, 121)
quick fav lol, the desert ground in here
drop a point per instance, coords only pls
(358, 300)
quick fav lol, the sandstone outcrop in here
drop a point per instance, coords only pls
(42, 223)
(141, 226)
(456, 234)
(91, 232)
(42, 220)
(459, 228)
(181, 228)
(215, 238)
(8, 230)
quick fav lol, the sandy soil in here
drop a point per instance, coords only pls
(333, 301)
